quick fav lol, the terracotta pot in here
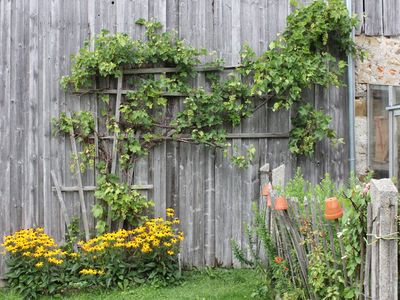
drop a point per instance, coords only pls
(266, 192)
(281, 203)
(269, 203)
(333, 210)
(266, 189)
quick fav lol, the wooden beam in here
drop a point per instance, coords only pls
(124, 92)
(93, 188)
(262, 135)
(60, 197)
(175, 70)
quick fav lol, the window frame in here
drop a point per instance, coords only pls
(393, 110)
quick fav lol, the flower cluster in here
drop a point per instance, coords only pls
(91, 272)
(147, 252)
(34, 243)
(153, 235)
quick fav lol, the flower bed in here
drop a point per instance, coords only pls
(38, 266)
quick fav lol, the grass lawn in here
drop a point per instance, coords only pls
(204, 284)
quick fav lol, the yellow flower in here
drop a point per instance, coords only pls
(146, 248)
(39, 264)
(170, 252)
(55, 261)
(170, 212)
(91, 272)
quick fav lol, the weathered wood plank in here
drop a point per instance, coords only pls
(93, 188)
(373, 17)
(5, 130)
(358, 8)
(391, 20)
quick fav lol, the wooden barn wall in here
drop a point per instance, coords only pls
(378, 17)
(212, 197)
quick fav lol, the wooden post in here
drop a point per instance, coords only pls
(264, 179)
(115, 142)
(384, 235)
(79, 180)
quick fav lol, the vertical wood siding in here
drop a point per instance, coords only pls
(378, 17)
(212, 197)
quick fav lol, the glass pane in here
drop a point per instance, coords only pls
(379, 131)
(396, 92)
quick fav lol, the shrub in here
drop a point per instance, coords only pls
(35, 263)
(145, 253)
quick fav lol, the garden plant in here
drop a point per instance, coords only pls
(328, 260)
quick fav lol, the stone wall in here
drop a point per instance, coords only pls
(381, 66)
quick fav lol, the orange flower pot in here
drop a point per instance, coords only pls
(281, 203)
(333, 210)
(266, 192)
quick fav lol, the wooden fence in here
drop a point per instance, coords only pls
(212, 197)
(381, 263)
(302, 227)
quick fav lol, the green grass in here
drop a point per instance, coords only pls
(204, 284)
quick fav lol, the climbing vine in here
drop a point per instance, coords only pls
(299, 58)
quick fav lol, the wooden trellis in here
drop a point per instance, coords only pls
(119, 93)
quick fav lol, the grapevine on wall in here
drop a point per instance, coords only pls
(298, 59)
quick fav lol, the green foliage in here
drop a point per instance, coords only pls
(325, 189)
(309, 127)
(224, 284)
(37, 266)
(299, 58)
(81, 122)
(126, 203)
(73, 235)
(325, 281)
(110, 54)
(335, 250)
(274, 270)
(301, 55)
(298, 187)
(241, 161)
(354, 228)
(31, 282)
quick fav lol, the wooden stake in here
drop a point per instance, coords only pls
(80, 185)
